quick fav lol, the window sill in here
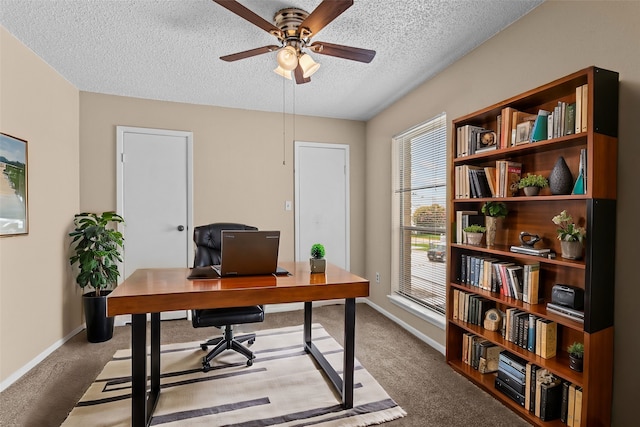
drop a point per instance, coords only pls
(423, 313)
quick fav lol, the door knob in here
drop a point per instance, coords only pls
(181, 228)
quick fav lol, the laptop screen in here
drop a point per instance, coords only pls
(249, 252)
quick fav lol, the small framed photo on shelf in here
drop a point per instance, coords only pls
(485, 141)
(523, 132)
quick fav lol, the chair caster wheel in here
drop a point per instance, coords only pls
(250, 362)
(251, 341)
(206, 367)
(204, 347)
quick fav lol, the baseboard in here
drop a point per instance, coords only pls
(427, 340)
(39, 358)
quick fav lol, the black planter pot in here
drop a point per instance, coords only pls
(99, 326)
(575, 363)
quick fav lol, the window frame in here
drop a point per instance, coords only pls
(411, 304)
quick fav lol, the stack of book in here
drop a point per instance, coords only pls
(482, 355)
(511, 379)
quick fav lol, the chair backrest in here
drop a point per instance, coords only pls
(208, 241)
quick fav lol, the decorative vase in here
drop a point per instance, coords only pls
(571, 250)
(99, 325)
(560, 180)
(531, 191)
(473, 238)
(575, 363)
(317, 265)
(492, 226)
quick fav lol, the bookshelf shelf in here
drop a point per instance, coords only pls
(593, 92)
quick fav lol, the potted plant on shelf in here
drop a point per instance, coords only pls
(531, 184)
(96, 249)
(474, 234)
(493, 211)
(576, 355)
(570, 236)
(317, 261)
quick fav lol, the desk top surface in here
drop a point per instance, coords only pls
(166, 289)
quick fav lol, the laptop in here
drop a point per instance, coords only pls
(248, 253)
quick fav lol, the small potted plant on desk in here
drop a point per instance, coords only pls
(531, 184)
(96, 251)
(474, 233)
(576, 354)
(493, 211)
(317, 261)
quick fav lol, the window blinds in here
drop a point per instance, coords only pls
(421, 189)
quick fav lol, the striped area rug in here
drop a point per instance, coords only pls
(282, 388)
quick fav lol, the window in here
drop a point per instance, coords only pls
(419, 214)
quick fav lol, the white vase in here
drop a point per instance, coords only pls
(474, 238)
(571, 250)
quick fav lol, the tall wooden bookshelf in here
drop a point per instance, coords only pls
(595, 210)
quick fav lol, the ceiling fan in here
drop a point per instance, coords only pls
(294, 29)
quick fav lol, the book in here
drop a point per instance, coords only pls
(542, 376)
(460, 225)
(585, 104)
(548, 337)
(571, 405)
(570, 119)
(515, 280)
(490, 173)
(578, 123)
(577, 410)
(531, 340)
(565, 401)
(513, 171)
(550, 399)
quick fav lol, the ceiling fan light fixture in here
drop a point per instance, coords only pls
(282, 72)
(309, 66)
(288, 58)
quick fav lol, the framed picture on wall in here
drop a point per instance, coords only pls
(14, 214)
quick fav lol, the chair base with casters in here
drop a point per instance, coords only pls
(225, 318)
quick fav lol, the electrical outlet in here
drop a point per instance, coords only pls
(377, 277)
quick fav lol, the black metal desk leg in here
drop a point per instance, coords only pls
(307, 325)
(349, 352)
(139, 370)
(155, 365)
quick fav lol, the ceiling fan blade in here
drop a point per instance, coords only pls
(346, 52)
(249, 53)
(326, 12)
(250, 16)
(300, 79)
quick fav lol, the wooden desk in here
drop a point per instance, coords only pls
(165, 289)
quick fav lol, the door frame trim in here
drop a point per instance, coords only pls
(345, 148)
(120, 131)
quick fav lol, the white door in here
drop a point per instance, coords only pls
(154, 198)
(322, 201)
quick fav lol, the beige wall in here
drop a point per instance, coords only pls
(555, 39)
(39, 302)
(238, 156)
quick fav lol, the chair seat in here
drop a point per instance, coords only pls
(220, 317)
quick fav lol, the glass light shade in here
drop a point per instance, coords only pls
(282, 72)
(309, 66)
(287, 58)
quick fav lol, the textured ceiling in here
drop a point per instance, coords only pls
(169, 49)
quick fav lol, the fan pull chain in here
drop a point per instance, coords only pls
(284, 129)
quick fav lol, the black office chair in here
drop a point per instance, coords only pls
(208, 241)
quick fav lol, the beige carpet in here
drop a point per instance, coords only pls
(283, 388)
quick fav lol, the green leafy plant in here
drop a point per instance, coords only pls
(495, 209)
(567, 229)
(96, 250)
(475, 228)
(317, 251)
(533, 181)
(576, 350)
